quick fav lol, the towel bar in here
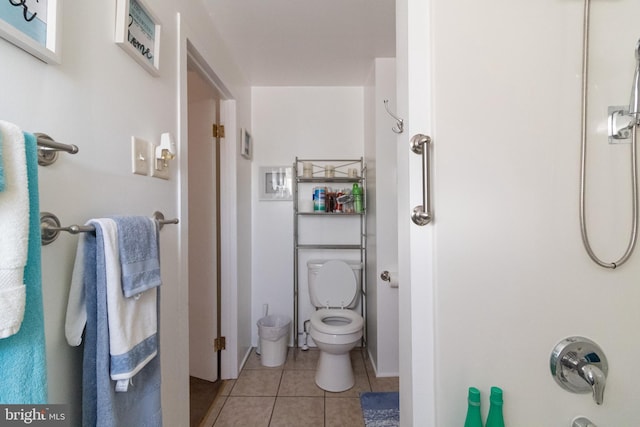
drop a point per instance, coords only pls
(50, 226)
(48, 149)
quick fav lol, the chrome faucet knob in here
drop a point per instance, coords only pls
(580, 366)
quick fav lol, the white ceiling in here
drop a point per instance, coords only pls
(306, 42)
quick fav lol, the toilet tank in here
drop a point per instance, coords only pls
(338, 293)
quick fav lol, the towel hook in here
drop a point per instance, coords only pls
(399, 127)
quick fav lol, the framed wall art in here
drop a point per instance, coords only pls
(246, 144)
(138, 33)
(34, 26)
(275, 183)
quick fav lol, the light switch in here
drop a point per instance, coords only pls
(140, 158)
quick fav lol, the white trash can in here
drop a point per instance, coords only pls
(273, 332)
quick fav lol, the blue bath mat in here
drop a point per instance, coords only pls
(380, 409)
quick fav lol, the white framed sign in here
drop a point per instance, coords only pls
(34, 26)
(138, 33)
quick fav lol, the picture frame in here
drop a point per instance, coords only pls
(33, 26)
(276, 183)
(246, 144)
(137, 32)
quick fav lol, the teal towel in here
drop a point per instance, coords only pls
(23, 377)
(1, 166)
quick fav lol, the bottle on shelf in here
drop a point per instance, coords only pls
(474, 419)
(356, 192)
(495, 418)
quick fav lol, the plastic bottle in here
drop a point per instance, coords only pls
(495, 418)
(474, 419)
(356, 192)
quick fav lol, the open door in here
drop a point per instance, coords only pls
(204, 229)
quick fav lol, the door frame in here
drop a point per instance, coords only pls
(188, 52)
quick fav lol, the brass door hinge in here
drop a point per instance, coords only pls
(218, 131)
(220, 344)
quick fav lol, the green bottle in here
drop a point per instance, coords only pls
(356, 192)
(495, 418)
(473, 410)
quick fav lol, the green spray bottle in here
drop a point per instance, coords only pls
(474, 418)
(356, 192)
(495, 418)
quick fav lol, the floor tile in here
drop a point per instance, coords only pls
(302, 359)
(257, 382)
(361, 385)
(384, 384)
(246, 411)
(213, 412)
(299, 383)
(298, 412)
(227, 386)
(341, 412)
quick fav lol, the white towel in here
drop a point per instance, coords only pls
(14, 229)
(132, 321)
(76, 318)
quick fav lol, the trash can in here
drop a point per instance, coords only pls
(273, 332)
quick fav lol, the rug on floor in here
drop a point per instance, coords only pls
(380, 409)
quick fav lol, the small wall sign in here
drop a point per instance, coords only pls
(32, 25)
(138, 33)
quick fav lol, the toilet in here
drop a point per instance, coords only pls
(334, 287)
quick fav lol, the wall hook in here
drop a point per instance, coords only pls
(399, 127)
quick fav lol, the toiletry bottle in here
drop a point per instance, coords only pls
(473, 410)
(495, 418)
(356, 192)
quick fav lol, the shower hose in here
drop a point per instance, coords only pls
(583, 160)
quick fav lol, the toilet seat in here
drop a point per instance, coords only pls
(353, 321)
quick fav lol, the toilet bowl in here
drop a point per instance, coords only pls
(336, 332)
(335, 328)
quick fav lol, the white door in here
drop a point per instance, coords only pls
(203, 231)
(415, 243)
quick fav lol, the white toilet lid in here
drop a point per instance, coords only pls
(336, 284)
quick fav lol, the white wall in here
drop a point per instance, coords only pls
(307, 122)
(512, 277)
(382, 240)
(98, 98)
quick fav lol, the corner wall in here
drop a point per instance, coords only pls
(307, 122)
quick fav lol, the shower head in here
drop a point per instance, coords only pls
(634, 104)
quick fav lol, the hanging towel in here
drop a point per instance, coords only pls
(102, 406)
(23, 377)
(14, 229)
(133, 339)
(138, 244)
(76, 318)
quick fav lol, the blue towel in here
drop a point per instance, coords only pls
(138, 246)
(23, 377)
(1, 166)
(102, 406)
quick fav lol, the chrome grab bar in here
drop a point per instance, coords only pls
(420, 144)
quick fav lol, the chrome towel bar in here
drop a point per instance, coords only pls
(48, 149)
(50, 226)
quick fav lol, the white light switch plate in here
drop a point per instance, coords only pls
(140, 156)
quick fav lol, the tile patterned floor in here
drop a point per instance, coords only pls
(287, 396)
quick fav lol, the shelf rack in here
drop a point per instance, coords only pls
(341, 169)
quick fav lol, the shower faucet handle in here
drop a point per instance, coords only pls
(580, 366)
